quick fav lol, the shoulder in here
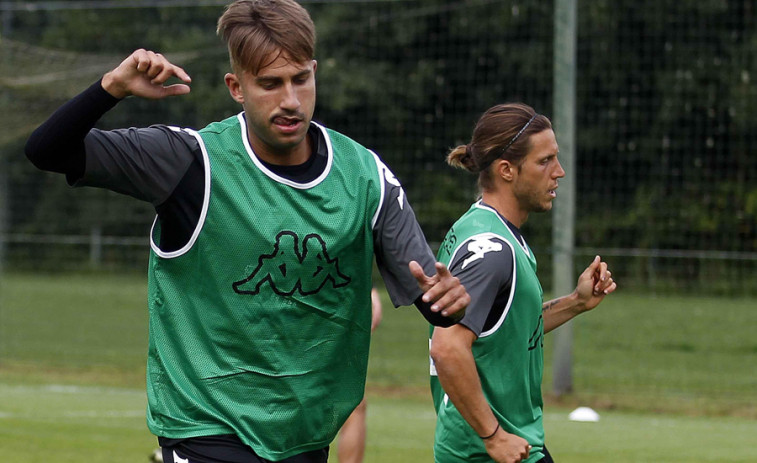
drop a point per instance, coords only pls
(474, 222)
(218, 127)
(483, 252)
(338, 137)
(341, 144)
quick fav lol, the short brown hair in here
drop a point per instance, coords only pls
(257, 31)
(502, 132)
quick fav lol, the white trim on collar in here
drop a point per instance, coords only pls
(521, 241)
(268, 172)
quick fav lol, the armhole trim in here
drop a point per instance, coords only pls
(514, 279)
(203, 213)
(381, 169)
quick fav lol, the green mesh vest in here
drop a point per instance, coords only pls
(509, 356)
(261, 325)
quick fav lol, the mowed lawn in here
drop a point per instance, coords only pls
(673, 378)
(75, 424)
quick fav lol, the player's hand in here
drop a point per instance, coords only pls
(143, 74)
(443, 290)
(377, 312)
(594, 284)
(504, 447)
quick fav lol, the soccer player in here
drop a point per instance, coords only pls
(267, 223)
(487, 370)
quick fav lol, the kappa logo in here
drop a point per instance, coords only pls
(392, 180)
(287, 269)
(178, 459)
(479, 247)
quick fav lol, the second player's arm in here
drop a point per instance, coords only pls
(593, 285)
(458, 375)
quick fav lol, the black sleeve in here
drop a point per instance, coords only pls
(436, 318)
(485, 265)
(398, 239)
(58, 144)
(146, 163)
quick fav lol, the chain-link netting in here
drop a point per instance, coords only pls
(665, 109)
(666, 185)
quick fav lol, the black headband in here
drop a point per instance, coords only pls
(520, 132)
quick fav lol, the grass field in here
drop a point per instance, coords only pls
(674, 378)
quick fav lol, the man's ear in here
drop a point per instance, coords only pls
(235, 87)
(504, 169)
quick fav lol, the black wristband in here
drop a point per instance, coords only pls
(492, 434)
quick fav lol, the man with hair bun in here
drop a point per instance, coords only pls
(486, 371)
(267, 224)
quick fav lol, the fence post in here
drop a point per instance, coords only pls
(95, 246)
(4, 205)
(563, 217)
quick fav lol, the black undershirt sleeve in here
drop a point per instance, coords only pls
(58, 144)
(436, 318)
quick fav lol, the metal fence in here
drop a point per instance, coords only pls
(665, 102)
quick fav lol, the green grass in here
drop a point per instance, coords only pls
(673, 377)
(92, 328)
(618, 437)
(74, 424)
(669, 353)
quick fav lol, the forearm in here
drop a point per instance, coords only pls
(561, 310)
(58, 144)
(456, 368)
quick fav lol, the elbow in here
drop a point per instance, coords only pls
(436, 355)
(54, 155)
(440, 352)
(32, 153)
(35, 153)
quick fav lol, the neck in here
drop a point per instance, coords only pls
(294, 156)
(506, 204)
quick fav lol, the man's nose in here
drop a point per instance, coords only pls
(560, 173)
(289, 98)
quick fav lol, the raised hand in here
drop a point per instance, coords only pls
(143, 74)
(594, 284)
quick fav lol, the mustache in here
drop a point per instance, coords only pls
(289, 115)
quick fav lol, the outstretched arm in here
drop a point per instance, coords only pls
(143, 74)
(593, 285)
(443, 291)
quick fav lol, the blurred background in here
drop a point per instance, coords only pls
(665, 119)
(665, 175)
